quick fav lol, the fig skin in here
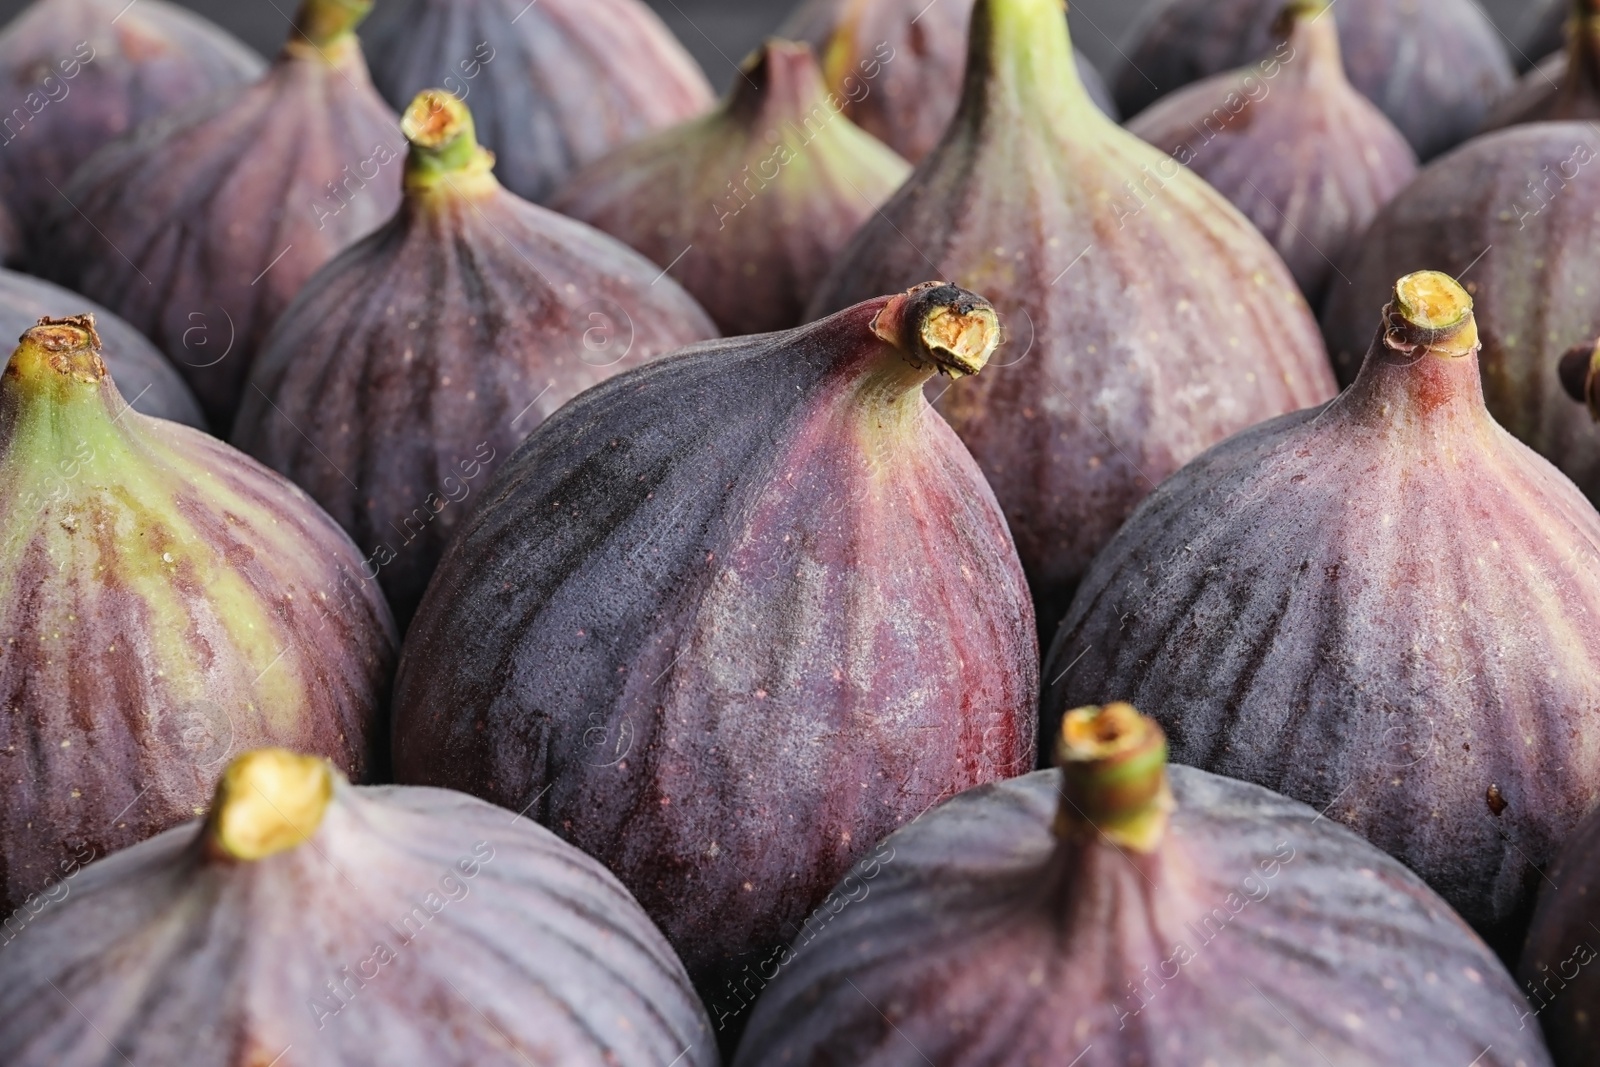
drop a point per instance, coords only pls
(361, 926)
(1147, 318)
(1511, 214)
(898, 64)
(1003, 928)
(1565, 86)
(1291, 144)
(1563, 988)
(737, 614)
(1434, 68)
(554, 86)
(166, 601)
(749, 206)
(415, 363)
(1377, 607)
(80, 73)
(201, 227)
(152, 385)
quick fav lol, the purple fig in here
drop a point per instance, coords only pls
(749, 206)
(415, 362)
(202, 226)
(167, 601)
(1307, 158)
(554, 84)
(1557, 970)
(1147, 319)
(1566, 85)
(1377, 606)
(1546, 22)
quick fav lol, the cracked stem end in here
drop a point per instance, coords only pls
(939, 324)
(1433, 312)
(267, 802)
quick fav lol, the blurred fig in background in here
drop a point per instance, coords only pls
(1146, 319)
(75, 74)
(146, 378)
(1565, 85)
(897, 64)
(1382, 607)
(201, 227)
(749, 206)
(1435, 68)
(1560, 968)
(166, 602)
(1307, 158)
(553, 84)
(1545, 34)
(411, 366)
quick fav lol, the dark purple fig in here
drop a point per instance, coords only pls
(166, 601)
(1377, 606)
(77, 74)
(1512, 214)
(403, 927)
(897, 65)
(202, 226)
(735, 615)
(1147, 319)
(1307, 158)
(1434, 68)
(1566, 86)
(1563, 989)
(554, 84)
(144, 376)
(416, 361)
(1119, 911)
(749, 206)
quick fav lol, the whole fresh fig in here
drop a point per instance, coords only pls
(1147, 319)
(150, 383)
(1377, 606)
(1120, 911)
(1434, 68)
(166, 602)
(1566, 85)
(897, 65)
(76, 74)
(1511, 214)
(554, 84)
(403, 927)
(1307, 158)
(1558, 967)
(748, 206)
(735, 616)
(202, 226)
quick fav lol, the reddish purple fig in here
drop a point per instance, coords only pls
(1379, 607)
(1307, 158)
(554, 84)
(202, 226)
(1119, 911)
(1558, 967)
(1434, 68)
(749, 206)
(734, 616)
(165, 601)
(415, 362)
(77, 74)
(1566, 85)
(1147, 319)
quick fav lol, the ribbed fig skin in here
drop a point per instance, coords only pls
(151, 385)
(898, 63)
(972, 945)
(165, 601)
(1147, 319)
(1564, 86)
(1379, 607)
(1292, 145)
(77, 74)
(1434, 68)
(1511, 214)
(411, 366)
(417, 928)
(1563, 986)
(750, 205)
(201, 227)
(736, 615)
(554, 85)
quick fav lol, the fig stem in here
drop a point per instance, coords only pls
(940, 324)
(1113, 764)
(54, 349)
(444, 144)
(1431, 311)
(325, 22)
(1579, 373)
(268, 801)
(1019, 59)
(779, 81)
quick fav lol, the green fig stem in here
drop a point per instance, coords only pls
(779, 80)
(56, 397)
(268, 801)
(444, 146)
(937, 324)
(1020, 61)
(1310, 27)
(1113, 764)
(1431, 314)
(1579, 372)
(326, 22)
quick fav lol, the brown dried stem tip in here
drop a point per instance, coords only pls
(940, 324)
(68, 347)
(1113, 764)
(267, 802)
(1430, 311)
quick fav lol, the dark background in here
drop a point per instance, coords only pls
(720, 32)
